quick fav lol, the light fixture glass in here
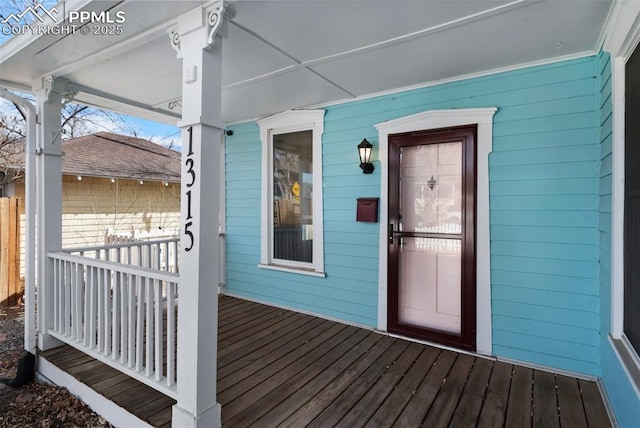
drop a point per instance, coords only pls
(364, 152)
(141, 182)
(79, 177)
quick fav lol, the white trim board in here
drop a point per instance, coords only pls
(291, 121)
(622, 39)
(435, 119)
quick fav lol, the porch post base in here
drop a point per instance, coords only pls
(211, 418)
(46, 341)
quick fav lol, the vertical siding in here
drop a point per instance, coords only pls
(544, 181)
(619, 390)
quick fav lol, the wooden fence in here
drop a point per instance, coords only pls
(11, 287)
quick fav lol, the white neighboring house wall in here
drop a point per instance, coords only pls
(93, 205)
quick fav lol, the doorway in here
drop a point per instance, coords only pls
(431, 239)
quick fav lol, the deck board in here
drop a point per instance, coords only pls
(447, 400)
(519, 408)
(545, 401)
(312, 408)
(570, 403)
(594, 408)
(388, 412)
(345, 402)
(468, 410)
(420, 403)
(494, 408)
(281, 368)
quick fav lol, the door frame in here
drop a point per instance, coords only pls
(431, 120)
(466, 338)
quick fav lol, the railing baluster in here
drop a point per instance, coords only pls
(66, 297)
(100, 291)
(56, 295)
(115, 329)
(73, 293)
(176, 253)
(107, 310)
(141, 292)
(171, 332)
(149, 259)
(131, 314)
(92, 308)
(149, 329)
(124, 328)
(79, 300)
(158, 322)
(87, 304)
(158, 248)
(165, 260)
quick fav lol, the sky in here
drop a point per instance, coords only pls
(160, 133)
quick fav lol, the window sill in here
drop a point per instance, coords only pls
(299, 271)
(629, 360)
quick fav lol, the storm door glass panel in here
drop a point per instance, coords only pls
(430, 263)
(293, 196)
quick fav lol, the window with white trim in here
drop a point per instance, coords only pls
(291, 219)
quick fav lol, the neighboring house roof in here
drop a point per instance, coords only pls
(111, 155)
(105, 154)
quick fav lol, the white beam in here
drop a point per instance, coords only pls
(49, 197)
(199, 259)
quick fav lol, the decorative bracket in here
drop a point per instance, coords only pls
(48, 86)
(215, 21)
(175, 104)
(174, 36)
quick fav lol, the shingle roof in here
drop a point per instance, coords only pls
(111, 155)
(119, 156)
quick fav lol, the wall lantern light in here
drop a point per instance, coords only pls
(364, 151)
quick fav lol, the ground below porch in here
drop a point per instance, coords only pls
(281, 368)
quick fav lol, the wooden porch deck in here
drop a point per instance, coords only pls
(282, 368)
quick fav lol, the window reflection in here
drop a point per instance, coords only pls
(293, 196)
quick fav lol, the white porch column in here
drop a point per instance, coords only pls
(201, 53)
(48, 92)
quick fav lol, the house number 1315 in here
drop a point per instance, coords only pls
(191, 180)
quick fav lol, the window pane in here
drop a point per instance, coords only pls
(293, 196)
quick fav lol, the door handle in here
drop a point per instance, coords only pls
(393, 233)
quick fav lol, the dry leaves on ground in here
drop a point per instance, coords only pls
(34, 405)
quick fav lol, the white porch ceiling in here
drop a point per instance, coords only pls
(280, 55)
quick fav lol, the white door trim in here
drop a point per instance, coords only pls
(435, 119)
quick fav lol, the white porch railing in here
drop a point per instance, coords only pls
(117, 302)
(159, 254)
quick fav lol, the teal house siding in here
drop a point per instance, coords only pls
(544, 211)
(620, 392)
